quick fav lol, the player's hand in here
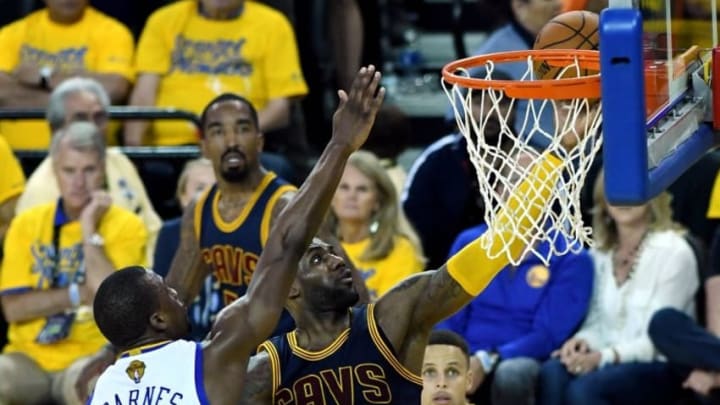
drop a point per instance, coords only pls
(92, 369)
(357, 110)
(573, 132)
(90, 216)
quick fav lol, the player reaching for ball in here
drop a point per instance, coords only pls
(143, 317)
(340, 354)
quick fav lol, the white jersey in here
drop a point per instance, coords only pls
(165, 373)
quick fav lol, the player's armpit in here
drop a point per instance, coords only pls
(187, 271)
(258, 381)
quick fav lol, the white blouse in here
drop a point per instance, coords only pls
(665, 275)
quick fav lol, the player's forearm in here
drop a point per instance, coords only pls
(526, 203)
(16, 95)
(302, 217)
(31, 305)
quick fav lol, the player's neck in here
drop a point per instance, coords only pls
(143, 341)
(315, 330)
(242, 188)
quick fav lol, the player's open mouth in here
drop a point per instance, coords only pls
(441, 398)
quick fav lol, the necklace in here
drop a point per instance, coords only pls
(627, 261)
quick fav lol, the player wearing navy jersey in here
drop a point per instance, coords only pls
(135, 308)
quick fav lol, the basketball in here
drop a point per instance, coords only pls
(571, 30)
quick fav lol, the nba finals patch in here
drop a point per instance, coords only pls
(136, 370)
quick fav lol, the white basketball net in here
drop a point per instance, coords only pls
(500, 169)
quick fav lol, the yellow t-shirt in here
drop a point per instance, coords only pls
(381, 275)
(97, 43)
(254, 55)
(123, 183)
(12, 178)
(29, 267)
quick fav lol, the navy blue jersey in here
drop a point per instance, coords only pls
(232, 249)
(359, 367)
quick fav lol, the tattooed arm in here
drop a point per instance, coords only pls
(409, 311)
(258, 381)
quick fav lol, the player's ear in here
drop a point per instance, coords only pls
(260, 142)
(294, 290)
(469, 380)
(158, 321)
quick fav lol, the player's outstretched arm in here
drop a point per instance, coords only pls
(244, 324)
(187, 272)
(409, 311)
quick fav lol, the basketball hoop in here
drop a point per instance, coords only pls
(502, 159)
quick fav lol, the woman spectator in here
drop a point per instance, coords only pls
(642, 263)
(367, 219)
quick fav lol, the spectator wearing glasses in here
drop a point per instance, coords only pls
(82, 99)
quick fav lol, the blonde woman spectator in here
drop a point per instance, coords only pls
(642, 264)
(369, 222)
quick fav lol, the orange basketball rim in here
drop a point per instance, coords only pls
(530, 88)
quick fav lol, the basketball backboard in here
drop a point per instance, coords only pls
(656, 92)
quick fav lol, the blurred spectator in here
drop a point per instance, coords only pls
(196, 177)
(446, 373)
(12, 183)
(388, 138)
(368, 220)
(193, 50)
(62, 251)
(525, 313)
(526, 19)
(38, 52)
(693, 347)
(82, 99)
(642, 263)
(443, 181)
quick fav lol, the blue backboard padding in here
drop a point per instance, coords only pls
(627, 178)
(623, 99)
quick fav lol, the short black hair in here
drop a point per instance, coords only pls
(123, 305)
(227, 97)
(449, 338)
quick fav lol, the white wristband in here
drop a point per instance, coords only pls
(74, 294)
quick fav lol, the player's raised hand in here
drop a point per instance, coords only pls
(357, 110)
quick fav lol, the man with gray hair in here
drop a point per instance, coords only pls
(58, 253)
(82, 99)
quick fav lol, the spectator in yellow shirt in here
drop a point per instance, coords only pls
(61, 252)
(367, 219)
(39, 51)
(81, 99)
(193, 50)
(12, 183)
